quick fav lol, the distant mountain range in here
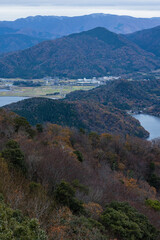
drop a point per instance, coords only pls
(51, 27)
(54, 26)
(96, 52)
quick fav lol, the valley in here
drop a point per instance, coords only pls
(47, 87)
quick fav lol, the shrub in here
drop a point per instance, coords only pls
(124, 222)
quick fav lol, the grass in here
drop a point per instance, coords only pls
(43, 91)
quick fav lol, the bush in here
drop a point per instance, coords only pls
(124, 222)
(65, 195)
(155, 204)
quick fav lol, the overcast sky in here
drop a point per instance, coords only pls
(12, 9)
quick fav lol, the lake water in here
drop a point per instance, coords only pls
(150, 123)
(4, 90)
(7, 100)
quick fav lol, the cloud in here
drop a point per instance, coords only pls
(14, 12)
(12, 9)
(124, 3)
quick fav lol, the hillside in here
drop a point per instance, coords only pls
(154, 110)
(97, 52)
(90, 116)
(102, 109)
(122, 94)
(54, 26)
(15, 42)
(7, 30)
(68, 184)
(148, 40)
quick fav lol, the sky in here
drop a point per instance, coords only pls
(13, 9)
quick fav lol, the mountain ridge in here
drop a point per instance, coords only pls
(64, 25)
(96, 52)
(52, 27)
(16, 42)
(148, 39)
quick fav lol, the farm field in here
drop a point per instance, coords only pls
(53, 91)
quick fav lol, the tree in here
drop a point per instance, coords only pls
(124, 222)
(17, 227)
(21, 122)
(65, 195)
(13, 154)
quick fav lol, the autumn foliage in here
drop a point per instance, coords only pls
(70, 198)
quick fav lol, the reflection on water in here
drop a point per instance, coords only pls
(150, 123)
(7, 100)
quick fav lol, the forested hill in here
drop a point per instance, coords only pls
(123, 94)
(97, 52)
(102, 109)
(32, 30)
(61, 183)
(148, 39)
(90, 116)
(13, 42)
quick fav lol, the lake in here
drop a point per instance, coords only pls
(4, 90)
(7, 100)
(150, 123)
